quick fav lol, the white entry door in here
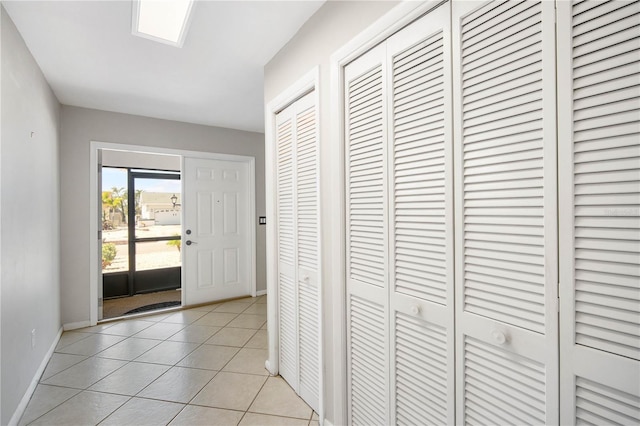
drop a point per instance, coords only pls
(217, 237)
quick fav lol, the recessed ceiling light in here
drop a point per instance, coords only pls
(164, 21)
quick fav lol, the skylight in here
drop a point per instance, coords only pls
(164, 21)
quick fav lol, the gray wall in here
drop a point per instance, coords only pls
(29, 229)
(80, 126)
(335, 24)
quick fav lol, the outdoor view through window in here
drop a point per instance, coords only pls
(141, 231)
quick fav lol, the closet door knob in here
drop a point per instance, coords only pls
(415, 310)
(305, 278)
(499, 337)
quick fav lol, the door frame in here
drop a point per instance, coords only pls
(309, 82)
(390, 23)
(95, 272)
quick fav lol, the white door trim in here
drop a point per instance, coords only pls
(94, 271)
(394, 20)
(306, 84)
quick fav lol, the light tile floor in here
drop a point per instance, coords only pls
(200, 366)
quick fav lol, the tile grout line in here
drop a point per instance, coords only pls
(116, 409)
(221, 369)
(170, 366)
(200, 344)
(96, 356)
(53, 408)
(104, 332)
(253, 400)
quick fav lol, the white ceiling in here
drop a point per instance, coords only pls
(90, 58)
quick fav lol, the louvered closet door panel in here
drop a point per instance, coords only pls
(308, 249)
(420, 166)
(505, 161)
(366, 240)
(287, 288)
(599, 132)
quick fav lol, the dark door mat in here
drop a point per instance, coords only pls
(153, 307)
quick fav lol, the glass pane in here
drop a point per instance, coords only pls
(158, 206)
(157, 254)
(115, 256)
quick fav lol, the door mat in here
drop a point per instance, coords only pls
(153, 307)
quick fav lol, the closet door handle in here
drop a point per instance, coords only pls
(499, 337)
(305, 278)
(415, 310)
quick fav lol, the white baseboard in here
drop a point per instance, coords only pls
(76, 325)
(271, 371)
(34, 382)
(261, 293)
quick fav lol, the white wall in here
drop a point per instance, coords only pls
(80, 126)
(29, 200)
(335, 24)
(140, 160)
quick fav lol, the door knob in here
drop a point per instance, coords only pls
(305, 278)
(499, 337)
(415, 310)
(189, 242)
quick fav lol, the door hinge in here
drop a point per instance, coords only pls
(100, 235)
(558, 305)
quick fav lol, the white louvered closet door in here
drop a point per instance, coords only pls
(420, 183)
(366, 240)
(298, 248)
(400, 228)
(286, 236)
(599, 110)
(307, 211)
(506, 220)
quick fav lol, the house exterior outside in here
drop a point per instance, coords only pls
(157, 208)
